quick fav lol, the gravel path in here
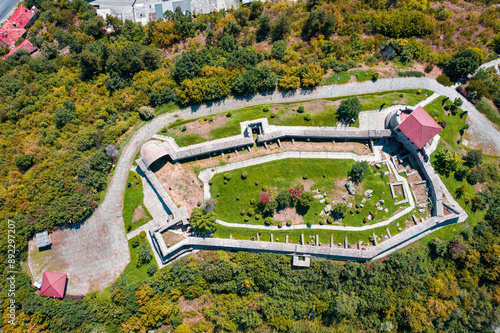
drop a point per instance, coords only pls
(98, 250)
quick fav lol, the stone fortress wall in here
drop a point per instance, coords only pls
(164, 146)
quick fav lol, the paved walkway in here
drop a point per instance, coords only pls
(107, 220)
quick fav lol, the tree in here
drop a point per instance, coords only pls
(474, 157)
(340, 209)
(99, 161)
(349, 109)
(256, 8)
(359, 171)
(265, 26)
(202, 221)
(318, 22)
(228, 43)
(146, 112)
(186, 67)
(182, 328)
(462, 64)
(94, 27)
(446, 161)
(346, 305)
(281, 27)
(496, 43)
(311, 75)
(64, 114)
(278, 50)
(255, 80)
(23, 162)
(306, 199)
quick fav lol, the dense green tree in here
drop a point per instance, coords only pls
(94, 27)
(318, 22)
(265, 26)
(64, 114)
(474, 157)
(359, 171)
(278, 50)
(23, 162)
(349, 109)
(402, 23)
(255, 80)
(186, 67)
(281, 27)
(462, 64)
(228, 43)
(202, 221)
(256, 8)
(243, 57)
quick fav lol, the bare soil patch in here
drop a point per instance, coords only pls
(182, 184)
(289, 214)
(172, 238)
(139, 214)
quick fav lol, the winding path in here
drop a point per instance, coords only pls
(102, 260)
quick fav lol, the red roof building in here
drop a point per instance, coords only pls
(419, 127)
(53, 284)
(16, 26)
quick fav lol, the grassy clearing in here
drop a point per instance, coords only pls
(337, 78)
(454, 124)
(362, 75)
(324, 235)
(326, 175)
(284, 115)
(133, 273)
(485, 107)
(134, 197)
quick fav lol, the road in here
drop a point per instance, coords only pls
(107, 221)
(6, 6)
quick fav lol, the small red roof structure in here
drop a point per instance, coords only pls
(53, 284)
(419, 127)
(16, 26)
(25, 45)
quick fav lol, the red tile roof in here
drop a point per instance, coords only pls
(53, 284)
(419, 127)
(25, 45)
(16, 25)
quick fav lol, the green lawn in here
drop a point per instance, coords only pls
(236, 195)
(362, 75)
(132, 273)
(133, 198)
(283, 114)
(337, 78)
(324, 235)
(454, 124)
(488, 110)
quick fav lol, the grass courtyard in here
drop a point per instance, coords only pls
(135, 213)
(323, 113)
(328, 176)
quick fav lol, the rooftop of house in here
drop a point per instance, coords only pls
(16, 25)
(419, 127)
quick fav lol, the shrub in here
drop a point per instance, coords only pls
(329, 219)
(269, 221)
(246, 218)
(198, 203)
(225, 181)
(365, 220)
(183, 128)
(129, 228)
(358, 171)
(474, 157)
(327, 201)
(210, 182)
(227, 176)
(351, 211)
(152, 268)
(429, 68)
(242, 212)
(129, 184)
(257, 216)
(266, 108)
(146, 112)
(401, 95)
(229, 114)
(135, 242)
(374, 215)
(142, 234)
(410, 74)
(210, 119)
(218, 194)
(443, 124)
(305, 176)
(301, 109)
(458, 101)
(24, 162)
(256, 183)
(419, 91)
(237, 198)
(288, 223)
(250, 211)
(307, 116)
(444, 80)
(453, 109)
(340, 209)
(252, 201)
(244, 175)
(324, 175)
